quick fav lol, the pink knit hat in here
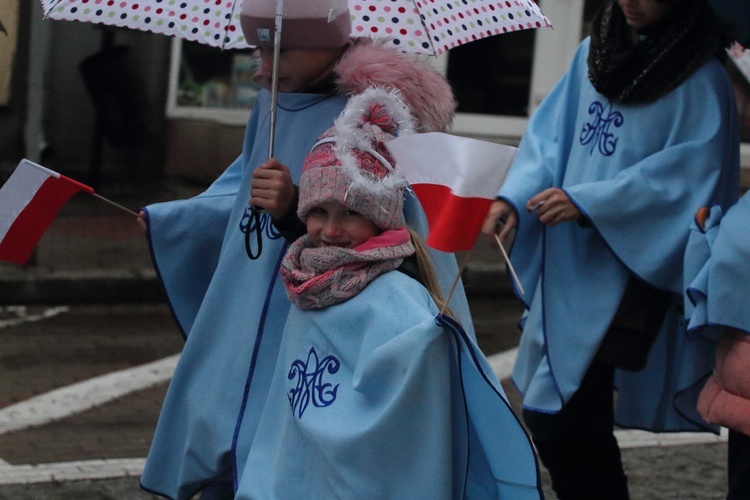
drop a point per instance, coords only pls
(307, 24)
(350, 164)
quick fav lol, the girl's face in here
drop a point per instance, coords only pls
(297, 68)
(640, 14)
(332, 224)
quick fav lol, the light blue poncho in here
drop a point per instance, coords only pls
(717, 272)
(372, 398)
(232, 310)
(638, 174)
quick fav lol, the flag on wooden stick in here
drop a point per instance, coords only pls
(456, 179)
(29, 201)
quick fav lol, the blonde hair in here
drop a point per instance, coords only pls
(427, 273)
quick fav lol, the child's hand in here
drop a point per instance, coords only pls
(142, 221)
(553, 206)
(500, 220)
(272, 188)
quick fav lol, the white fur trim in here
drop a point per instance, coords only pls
(353, 133)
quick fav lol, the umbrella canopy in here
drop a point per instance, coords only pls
(418, 26)
(436, 26)
(214, 23)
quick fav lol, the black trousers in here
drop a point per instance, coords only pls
(578, 446)
(739, 466)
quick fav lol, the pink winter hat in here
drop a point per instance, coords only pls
(350, 164)
(306, 24)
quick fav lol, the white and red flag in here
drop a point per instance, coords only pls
(456, 180)
(29, 201)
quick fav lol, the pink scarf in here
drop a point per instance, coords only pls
(318, 277)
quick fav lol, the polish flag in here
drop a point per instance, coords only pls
(456, 180)
(29, 201)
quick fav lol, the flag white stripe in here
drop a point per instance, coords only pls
(470, 168)
(29, 163)
(19, 190)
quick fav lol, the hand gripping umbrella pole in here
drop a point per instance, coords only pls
(254, 224)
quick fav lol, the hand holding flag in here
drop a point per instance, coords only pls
(456, 180)
(29, 201)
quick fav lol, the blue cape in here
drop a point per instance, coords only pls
(232, 310)
(402, 406)
(638, 174)
(717, 271)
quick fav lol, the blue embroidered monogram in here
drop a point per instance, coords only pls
(310, 384)
(597, 132)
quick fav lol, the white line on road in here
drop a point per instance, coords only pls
(71, 471)
(79, 397)
(502, 363)
(20, 315)
(116, 468)
(76, 398)
(643, 439)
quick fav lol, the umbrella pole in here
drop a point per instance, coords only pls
(275, 73)
(255, 213)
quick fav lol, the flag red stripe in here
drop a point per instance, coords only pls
(454, 222)
(80, 186)
(35, 218)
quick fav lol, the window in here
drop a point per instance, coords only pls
(493, 75)
(499, 81)
(206, 82)
(739, 72)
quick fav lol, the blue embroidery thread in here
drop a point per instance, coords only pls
(247, 223)
(597, 132)
(310, 385)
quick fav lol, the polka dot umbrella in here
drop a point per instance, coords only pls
(418, 26)
(210, 22)
(436, 26)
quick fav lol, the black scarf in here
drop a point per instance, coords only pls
(666, 56)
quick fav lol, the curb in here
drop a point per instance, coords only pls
(105, 286)
(486, 280)
(116, 286)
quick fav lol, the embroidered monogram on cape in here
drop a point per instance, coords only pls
(247, 223)
(597, 132)
(311, 386)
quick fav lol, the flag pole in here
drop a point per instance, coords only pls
(510, 266)
(95, 195)
(455, 282)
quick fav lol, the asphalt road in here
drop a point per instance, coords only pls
(102, 429)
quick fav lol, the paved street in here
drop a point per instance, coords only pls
(85, 363)
(101, 427)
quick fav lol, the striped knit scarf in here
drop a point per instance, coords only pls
(665, 57)
(318, 277)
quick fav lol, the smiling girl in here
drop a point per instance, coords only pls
(369, 398)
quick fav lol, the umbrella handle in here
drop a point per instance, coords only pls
(255, 215)
(254, 226)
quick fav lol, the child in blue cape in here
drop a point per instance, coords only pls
(717, 281)
(638, 134)
(374, 394)
(232, 309)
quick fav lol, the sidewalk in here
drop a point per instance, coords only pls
(93, 252)
(96, 253)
